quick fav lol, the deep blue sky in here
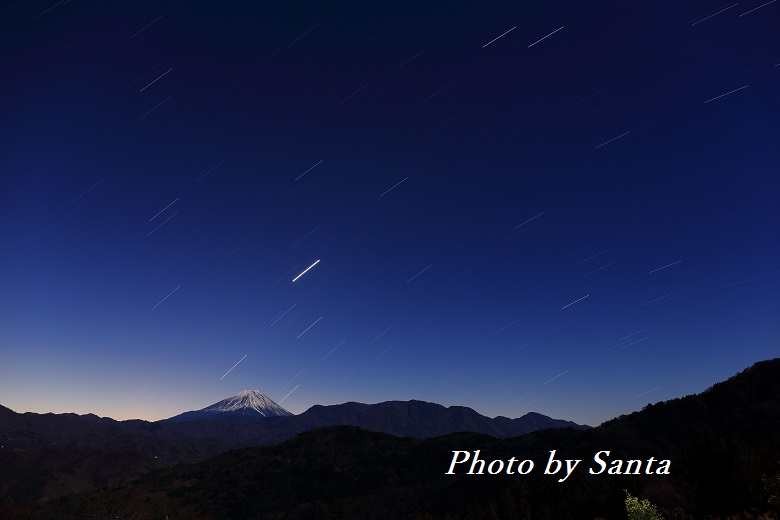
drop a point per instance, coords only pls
(167, 169)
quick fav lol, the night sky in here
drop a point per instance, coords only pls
(563, 207)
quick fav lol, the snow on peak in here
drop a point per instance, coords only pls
(248, 401)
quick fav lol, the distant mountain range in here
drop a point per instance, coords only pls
(253, 424)
(251, 418)
(79, 452)
(724, 445)
(402, 418)
(422, 419)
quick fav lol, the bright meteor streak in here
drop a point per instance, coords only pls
(234, 366)
(304, 272)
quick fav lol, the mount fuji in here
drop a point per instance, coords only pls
(246, 402)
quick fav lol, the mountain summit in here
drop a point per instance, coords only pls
(246, 402)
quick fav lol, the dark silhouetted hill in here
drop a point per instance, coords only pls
(723, 443)
(48, 455)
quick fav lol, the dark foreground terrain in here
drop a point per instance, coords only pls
(724, 445)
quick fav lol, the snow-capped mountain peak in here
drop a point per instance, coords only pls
(245, 402)
(248, 400)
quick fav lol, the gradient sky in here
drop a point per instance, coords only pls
(563, 207)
